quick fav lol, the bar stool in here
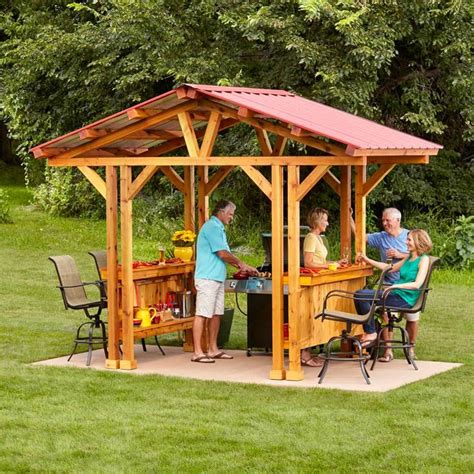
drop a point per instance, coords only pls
(395, 316)
(356, 355)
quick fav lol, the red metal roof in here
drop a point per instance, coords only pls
(317, 118)
(292, 110)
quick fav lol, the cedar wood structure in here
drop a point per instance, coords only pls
(191, 116)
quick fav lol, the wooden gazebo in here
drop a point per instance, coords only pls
(191, 116)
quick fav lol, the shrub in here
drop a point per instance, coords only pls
(458, 249)
(5, 217)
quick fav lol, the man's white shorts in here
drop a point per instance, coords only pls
(209, 298)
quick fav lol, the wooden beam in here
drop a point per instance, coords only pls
(95, 179)
(188, 132)
(128, 361)
(310, 181)
(294, 370)
(264, 141)
(376, 178)
(280, 145)
(360, 209)
(211, 134)
(113, 318)
(142, 179)
(141, 160)
(92, 133)
(398, 160)
(174, 178)
(345, 214)
(217, 178)
(257, 177)
(125, 131)
(278, 362)
(333, 182)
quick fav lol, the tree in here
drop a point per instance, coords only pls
(405, 64)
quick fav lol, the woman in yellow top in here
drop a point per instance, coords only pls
(315, 254)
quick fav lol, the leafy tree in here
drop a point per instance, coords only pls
(405, 64)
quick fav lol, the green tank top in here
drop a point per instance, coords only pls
(408, 274)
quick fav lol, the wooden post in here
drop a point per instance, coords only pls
(113, 361)
(360, 205)
(278, 371)
(189, 199)
(345, 206)
(128, 361)
(294, 372)
(203, 197)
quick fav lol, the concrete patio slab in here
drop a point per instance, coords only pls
(256, 369)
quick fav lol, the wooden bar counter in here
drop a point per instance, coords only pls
(304, 331)
(152, 283)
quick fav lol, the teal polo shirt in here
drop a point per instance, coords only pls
(210, 240)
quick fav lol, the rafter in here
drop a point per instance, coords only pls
(124, 132)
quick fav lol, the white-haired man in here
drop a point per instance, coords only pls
(390, 242)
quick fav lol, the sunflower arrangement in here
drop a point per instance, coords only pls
(183, 238)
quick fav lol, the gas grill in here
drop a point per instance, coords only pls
(259, 296)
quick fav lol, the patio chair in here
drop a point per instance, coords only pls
(100, 259)
(74, 297)
(357, 354)
(395, 316)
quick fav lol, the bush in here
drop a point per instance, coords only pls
(5, 217)
(458, 249)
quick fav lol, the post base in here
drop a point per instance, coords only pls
(295, 375)
(112, 363)
(278, 374)
(128, 364)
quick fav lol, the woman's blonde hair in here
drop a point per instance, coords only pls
(315, 216)
(421, 240)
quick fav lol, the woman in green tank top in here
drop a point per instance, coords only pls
(413, 270)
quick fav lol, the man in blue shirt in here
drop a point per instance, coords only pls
(391, 242)
(213, 253)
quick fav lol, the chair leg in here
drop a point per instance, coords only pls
(406, 347)
(159, 345)
(324, 370)
(143, 345)
(363, 369)
(104, 339)
(89, 345)
(78, 338)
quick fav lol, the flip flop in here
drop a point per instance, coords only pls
(312, 362)
(386, 358)
(221, 355)
(203, 359)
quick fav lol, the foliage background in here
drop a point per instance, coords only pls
(405, 64)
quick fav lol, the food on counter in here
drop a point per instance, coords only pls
(308, 271)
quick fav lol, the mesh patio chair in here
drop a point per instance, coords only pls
(395, 316)
(74, 297)
(356, 355)
(100, 259)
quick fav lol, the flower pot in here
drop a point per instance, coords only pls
(184, 253)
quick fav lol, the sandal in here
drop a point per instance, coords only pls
(221, 355)
(411, 353)
(312, 362)
(203, 359)
(386, 358)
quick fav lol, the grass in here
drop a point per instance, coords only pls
(66, 419)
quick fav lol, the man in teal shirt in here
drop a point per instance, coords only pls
(213, 253)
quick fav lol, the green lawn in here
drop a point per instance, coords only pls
(72, 420)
